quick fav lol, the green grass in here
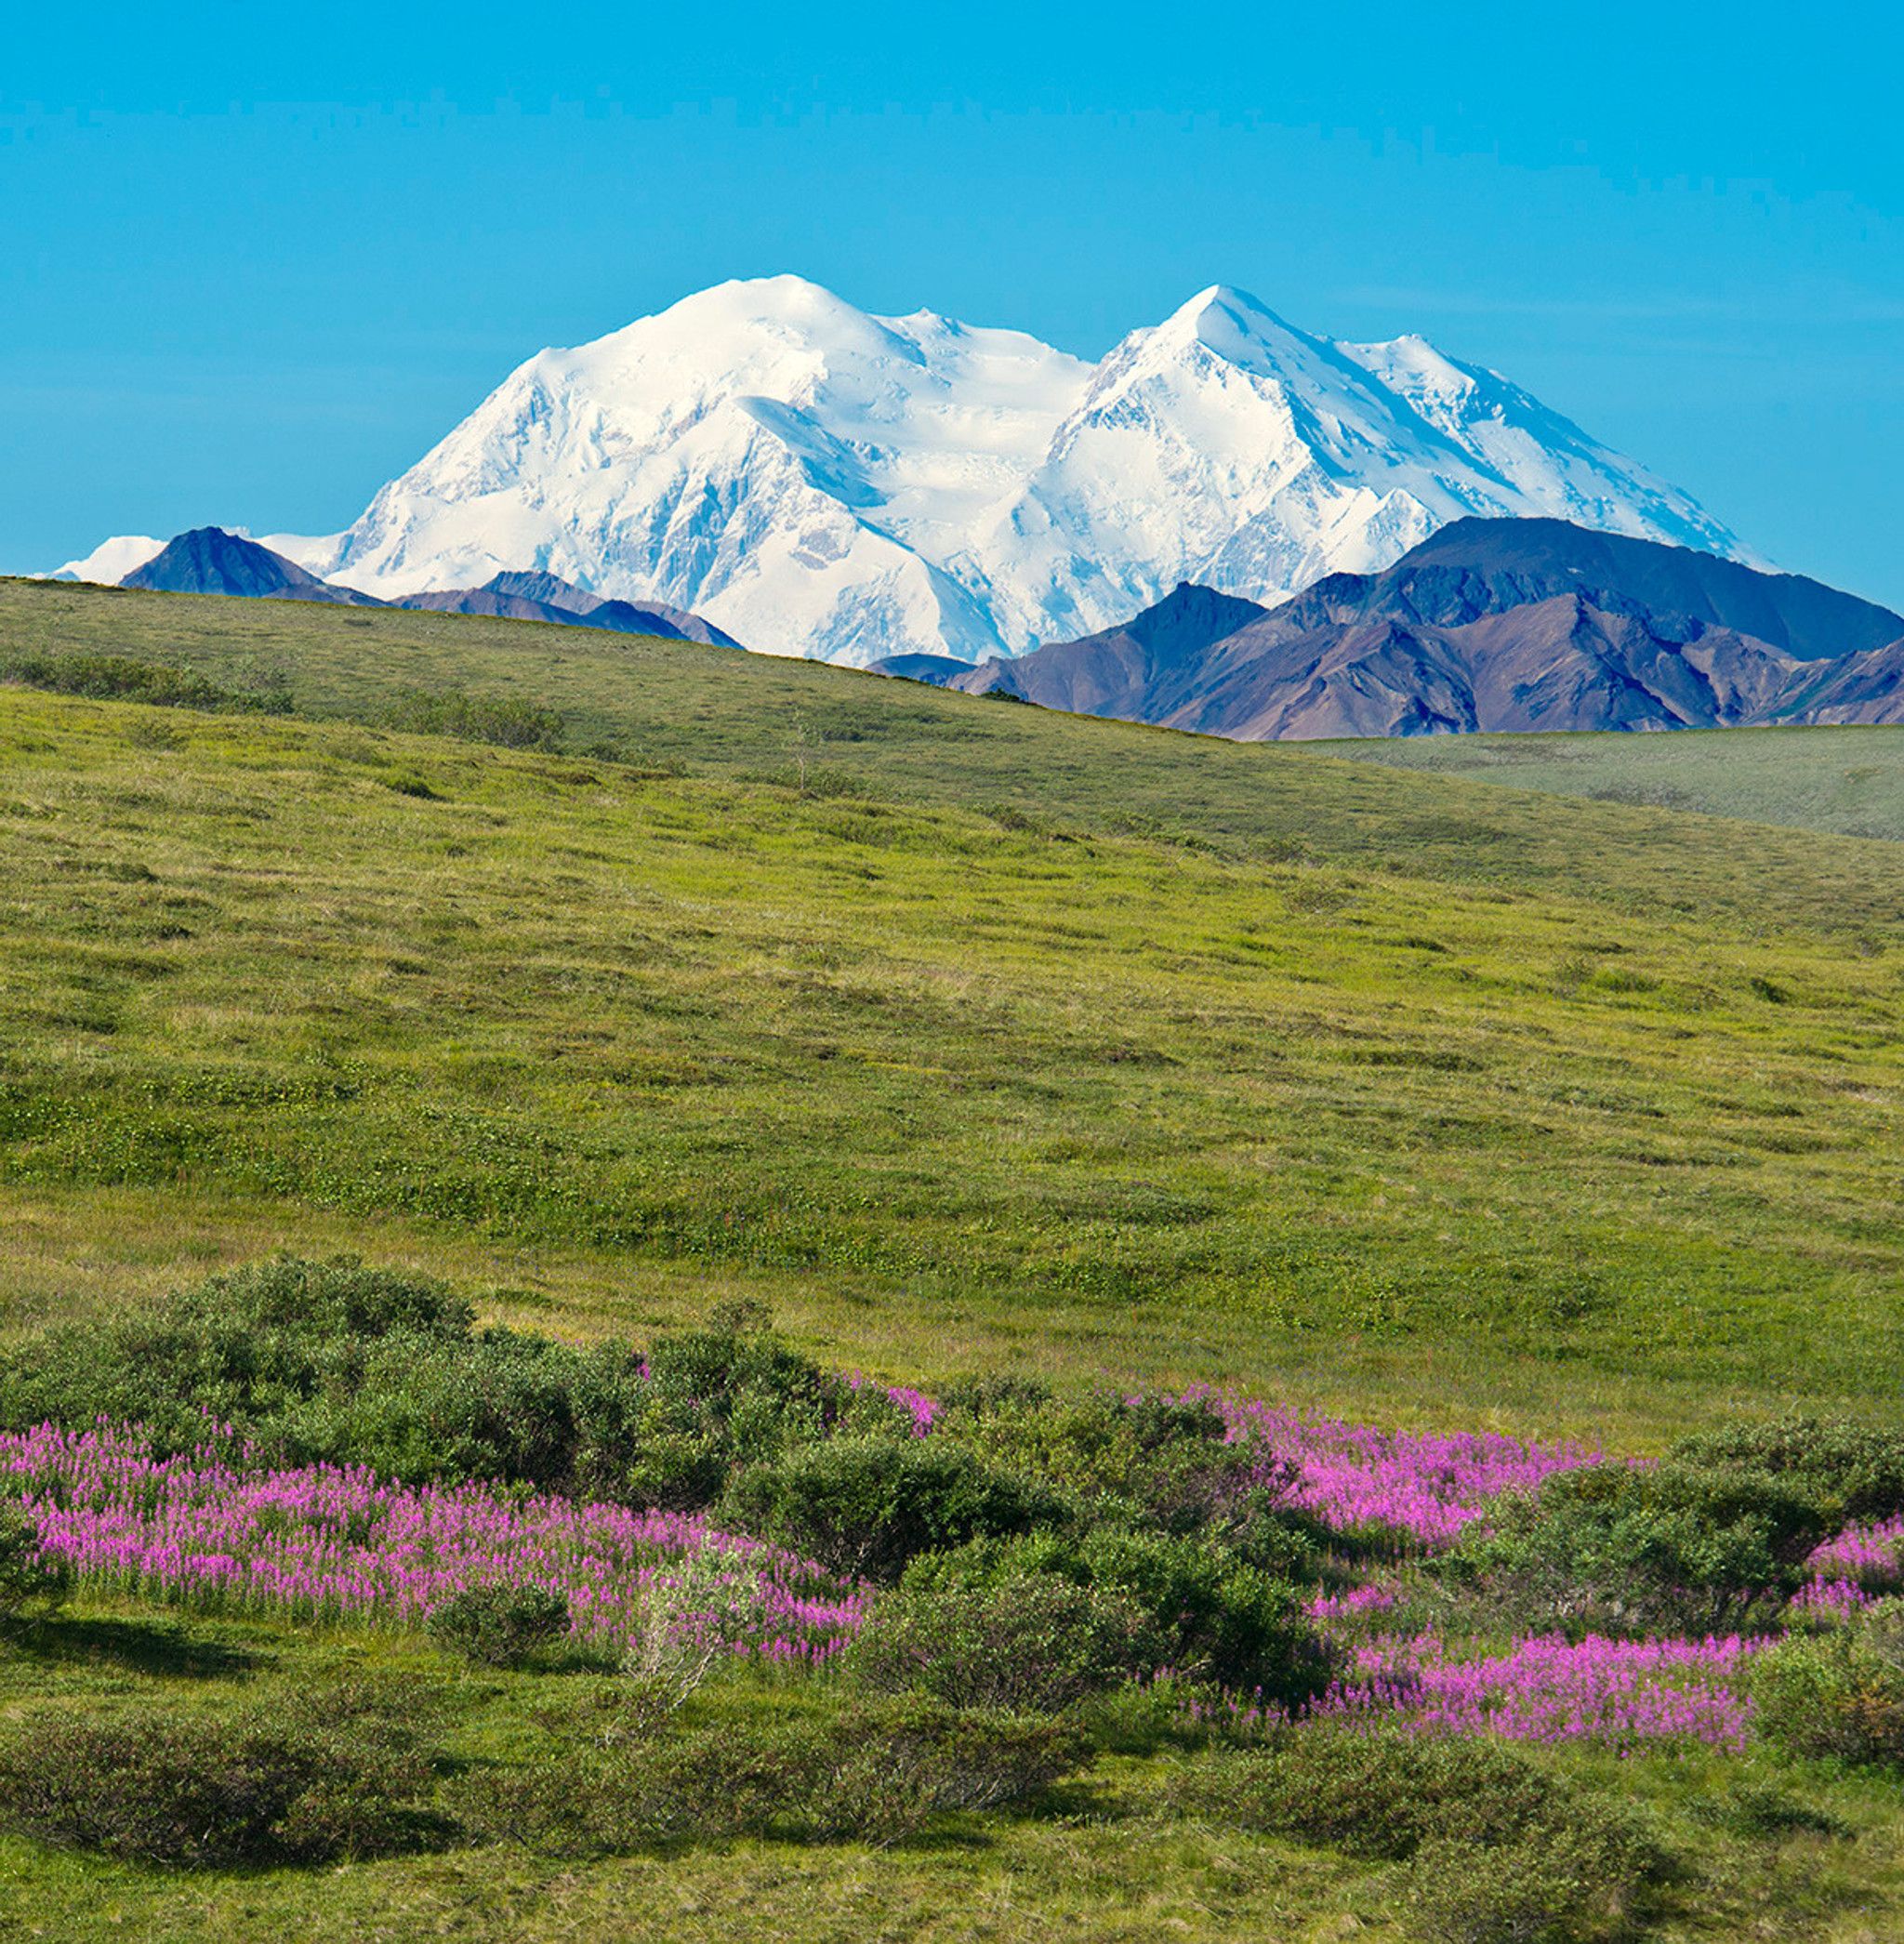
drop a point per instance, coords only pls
(1848, 780)
(1110, 1870)
(966, 1036)
(834, 733)
(952, 1085)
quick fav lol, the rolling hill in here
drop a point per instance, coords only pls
(659, 987)
(968, 1031)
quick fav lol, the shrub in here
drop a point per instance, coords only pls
(1849, 1470)
(1152, 1460)
(867, 1506)
(1839, 1693)
(1684, 1546)
(208, 1793)
(884, 1771)
(1499, 1851)
(1032, 1644)
(877, 1772)
(125, 678)
(500, 1626)
(28, 1577)
(1229, 1622)
(619, 1796)
(1715, 1536)
(503, 720)
(1212, 1615)
(246, 1348)
(690, 1614)
(1282, 1541)
(1562, 1885)
(335, 1362)
(1370, 1792)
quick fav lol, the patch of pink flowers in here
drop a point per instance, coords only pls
(1353, 1603)
(336, 1544)
(1623, 1695)
(917, 1406)
(1619, 1694)
(1830, 1599)
(1862, 1564)
(1424, 1488)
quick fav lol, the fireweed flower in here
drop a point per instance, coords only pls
(1619, 1694)
(329, 1542)
(1421, 1488)
(917, 1406)
(1861, 1563)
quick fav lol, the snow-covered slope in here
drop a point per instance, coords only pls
(820, 482)
(111, 561)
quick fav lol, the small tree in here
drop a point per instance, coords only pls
(690, 1616)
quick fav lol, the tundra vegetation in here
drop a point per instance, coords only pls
(650, 1292)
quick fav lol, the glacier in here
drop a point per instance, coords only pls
(821, 481)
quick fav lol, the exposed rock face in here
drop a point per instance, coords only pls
(1488, 625)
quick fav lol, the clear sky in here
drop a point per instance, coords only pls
(257, 260)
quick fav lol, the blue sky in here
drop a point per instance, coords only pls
(256, 262)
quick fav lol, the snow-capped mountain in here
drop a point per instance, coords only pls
(111, 560)
(820, 482)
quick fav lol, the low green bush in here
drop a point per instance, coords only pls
(1034, 1644)
(1384, 1793)
(1838, 1693)
(1147, 1460)
(1561, 1886)
(29, 1578)
(506, 721)
(1499, 1849)
(324, 1783)
(867, 1505)
(884, 1771)
(875, 1773)
(1684, 1546)
(125, 678)
(1372, 1792)
(1849, 1470)
(335, 1362)
(1212, 1615)
(500, 1626)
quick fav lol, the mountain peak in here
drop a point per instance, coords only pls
(1228, 320)
(782, 303)
(209, 559)
(816, 480)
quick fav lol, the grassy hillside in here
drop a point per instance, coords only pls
(964, 1038)
(1848, 780)
(1007, 1038)
(675, 707)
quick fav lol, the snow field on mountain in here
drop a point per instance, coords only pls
(820, 482)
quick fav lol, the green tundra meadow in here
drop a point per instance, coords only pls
(613, 984)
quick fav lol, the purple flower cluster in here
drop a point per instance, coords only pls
(1861, 1563)
(1423, 1488)
(1619, 1694)
(326, 1543)
(917, 1406)
(1352, 1604)
(1623, 1695)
